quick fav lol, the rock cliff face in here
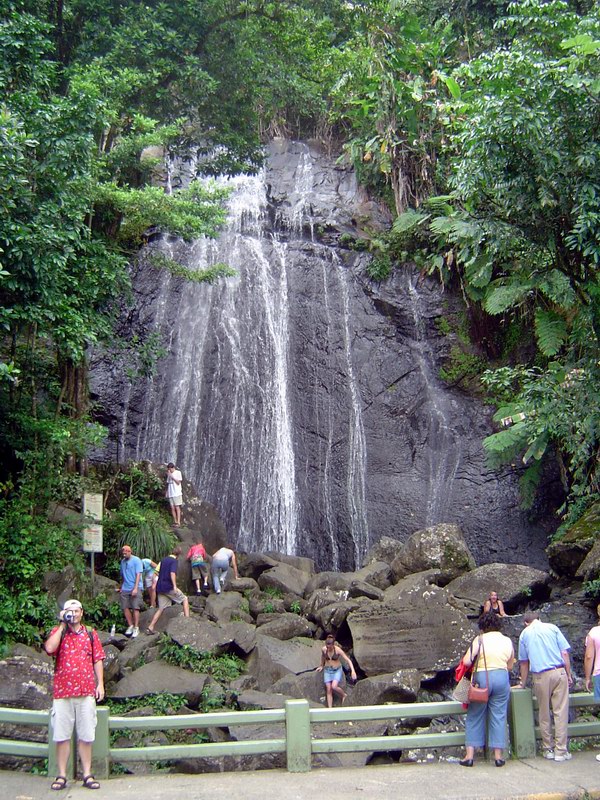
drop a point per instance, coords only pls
(301, 398)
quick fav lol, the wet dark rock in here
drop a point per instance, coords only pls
(516, 585)
(374, 445)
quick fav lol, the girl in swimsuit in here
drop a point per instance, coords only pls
(495, 605)
(332, 656)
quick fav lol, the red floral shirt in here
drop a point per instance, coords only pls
(75, 658)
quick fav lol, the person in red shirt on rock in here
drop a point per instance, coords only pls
(78, 683)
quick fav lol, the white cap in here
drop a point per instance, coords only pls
(72, 605)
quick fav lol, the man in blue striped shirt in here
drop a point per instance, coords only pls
(544, 651)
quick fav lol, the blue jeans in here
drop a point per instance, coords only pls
(491, 714)
(596, 688)
(219, 571)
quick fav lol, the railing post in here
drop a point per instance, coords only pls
(297, 735)
(101, 748)
(52, 763)
(522, 726)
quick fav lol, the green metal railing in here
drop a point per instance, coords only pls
(297, 739)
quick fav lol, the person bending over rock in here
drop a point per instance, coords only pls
(221, 561)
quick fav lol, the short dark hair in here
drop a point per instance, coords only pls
(170, 465)
(489, 621)
(529, 616)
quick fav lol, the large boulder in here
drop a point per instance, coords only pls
(201, 634)
(440, 547)
(285, 578)
(589, 569)
(401, 686)
(243, 636)
(386, 550)
(299, 562)
(417, 585)
(272, 659)
(222, 607)
(418, 631)
(321, 598)
(335, 581)
(159, 678)
(377, 573)
(573, 554)
(26, 679)
(252, 565)
(305, 686)
(516, 585)
(284, 626)
(332, 617)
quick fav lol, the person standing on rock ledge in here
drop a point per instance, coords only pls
(174, 493)
(544, 651)
(332, 656)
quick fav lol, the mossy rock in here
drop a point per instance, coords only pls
(586, 527)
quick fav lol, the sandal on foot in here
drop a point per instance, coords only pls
(90, 782)
(150, 632)
(60, 782)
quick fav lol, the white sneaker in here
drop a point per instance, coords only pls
(129, 631)
(135, 632)
(549, 754)
(564, 757)
(598, 757)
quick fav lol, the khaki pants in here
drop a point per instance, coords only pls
(551, 689)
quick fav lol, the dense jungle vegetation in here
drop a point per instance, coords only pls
(476, 121)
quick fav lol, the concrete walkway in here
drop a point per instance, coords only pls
(533, 778)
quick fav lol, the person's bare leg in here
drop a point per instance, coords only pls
(128, 616)
(329, 695)
(85, 754)
(338, 690)
(186, 607)
(173, 512)
(136, 617)
(63, 750)
(155, 619)
(177, 514)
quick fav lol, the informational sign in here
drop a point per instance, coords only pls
(93, 505)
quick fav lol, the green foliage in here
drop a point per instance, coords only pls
(295, 607)
(161, 704)
(101, 613)
(208, 275)
(30, 546)
(141, 526)
(592, 588)
(223, 668)
(273, 591)
(269, 608)
(558, 405)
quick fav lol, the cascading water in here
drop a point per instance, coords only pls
(444, 450)
(300, 398)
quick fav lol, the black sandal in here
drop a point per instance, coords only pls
(90, 782)
(60, 782)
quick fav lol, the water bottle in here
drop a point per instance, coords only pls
(113, 630)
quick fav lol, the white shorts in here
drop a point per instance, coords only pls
(78, 712)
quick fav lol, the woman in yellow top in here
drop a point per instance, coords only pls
(490, 716)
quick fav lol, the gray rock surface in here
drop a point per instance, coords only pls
(515, 584)
(419, 630)
(336, 430)
(159, 677)
(272, 659)
(440, 547)
(286, 578)
(401, 686)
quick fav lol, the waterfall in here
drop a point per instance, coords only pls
(444, 446)
(300, 398)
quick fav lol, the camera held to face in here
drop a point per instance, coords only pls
(69, 616)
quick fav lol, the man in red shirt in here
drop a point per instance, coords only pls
(78, 683)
